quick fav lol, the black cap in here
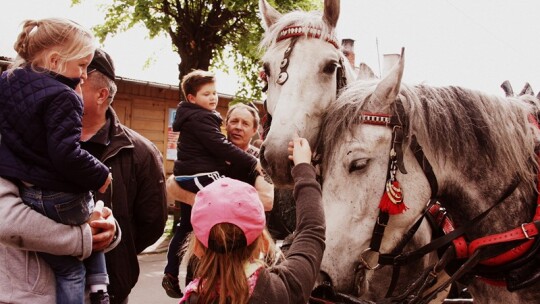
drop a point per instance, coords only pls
(103, 63)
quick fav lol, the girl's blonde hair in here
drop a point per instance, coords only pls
(224, 272)
(41, 39)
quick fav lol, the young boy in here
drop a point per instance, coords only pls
(204, 155)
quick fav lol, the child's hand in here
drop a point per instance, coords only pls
(97, 214)
(299, 150)
(106, 184)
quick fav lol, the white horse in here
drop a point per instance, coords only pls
(305, 68)
(387, 144)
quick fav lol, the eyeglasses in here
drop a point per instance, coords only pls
(90, 71)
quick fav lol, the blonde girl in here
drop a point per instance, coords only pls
(40, 123)
(230, 239)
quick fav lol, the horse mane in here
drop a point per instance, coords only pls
(297, 18)
(468, 128)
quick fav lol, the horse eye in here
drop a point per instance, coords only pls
(330, 68)
(358, 165)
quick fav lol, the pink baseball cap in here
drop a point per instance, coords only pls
(227, 201)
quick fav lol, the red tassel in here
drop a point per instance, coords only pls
(392, 199)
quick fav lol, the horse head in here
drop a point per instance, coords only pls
(304, 67)
(355, 172)
(371, 138)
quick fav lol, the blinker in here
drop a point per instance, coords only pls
(283, 76)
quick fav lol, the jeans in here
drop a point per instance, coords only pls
(70, 272)
(174, 256)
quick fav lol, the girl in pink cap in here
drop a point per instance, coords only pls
(234, 248)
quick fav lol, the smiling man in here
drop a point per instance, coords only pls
(242, 122)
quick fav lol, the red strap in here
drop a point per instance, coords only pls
(296, 31)
(521, 233)
(524, 232)
(447, 226)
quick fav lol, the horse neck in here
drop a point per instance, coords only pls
(465, 197)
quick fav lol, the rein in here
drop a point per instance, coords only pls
(520, 239)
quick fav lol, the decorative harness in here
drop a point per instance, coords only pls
(294, 33)
(515, 247)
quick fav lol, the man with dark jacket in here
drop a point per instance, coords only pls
(137, 196)
(137, 193)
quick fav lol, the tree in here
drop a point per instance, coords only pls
(204, 33)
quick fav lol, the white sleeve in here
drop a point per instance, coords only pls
(23, 228)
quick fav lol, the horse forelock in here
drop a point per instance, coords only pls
(298, 18)
(453, 123)
(343, 116)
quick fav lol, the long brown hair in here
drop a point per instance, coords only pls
(222, 277)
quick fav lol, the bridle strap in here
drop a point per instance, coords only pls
(401, 128)
(401, 246)
(295, 32)
(425, 165)
(405, 258)
(298, 31)
(396, 258)
(283, 75)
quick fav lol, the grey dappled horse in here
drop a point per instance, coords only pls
(305, 68)
(470, 155)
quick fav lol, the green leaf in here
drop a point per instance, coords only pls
(205, 33)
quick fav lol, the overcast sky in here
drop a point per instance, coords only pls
(472, 43)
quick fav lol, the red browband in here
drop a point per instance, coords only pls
(296, 31)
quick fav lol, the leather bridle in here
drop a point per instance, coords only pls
(294, 33)
(502, 246)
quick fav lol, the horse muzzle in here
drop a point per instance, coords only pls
(277, 165)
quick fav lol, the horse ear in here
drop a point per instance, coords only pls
(527, 90)
(365, 72)
(388, 89)
(331, 12)
(507, 88)
(269, 14)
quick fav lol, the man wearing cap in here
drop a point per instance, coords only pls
(137, 193)
(24, 276)
(136, 196)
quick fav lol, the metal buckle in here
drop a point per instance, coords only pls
(525, 232)
(364, 259)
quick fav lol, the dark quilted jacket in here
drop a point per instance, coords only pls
(202, 147)
(40, 127)
(137, 198)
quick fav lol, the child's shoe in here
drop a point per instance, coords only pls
(100, 297)
(171, 286)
